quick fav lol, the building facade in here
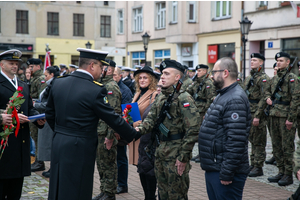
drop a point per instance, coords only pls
(65, 26)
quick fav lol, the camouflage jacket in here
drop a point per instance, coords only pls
(187, 81)
(114, 98)
(38, 83)
(261, 82)
(297, 159)
(240, 82)
(290, 93)
(204, 97)
(185, 120)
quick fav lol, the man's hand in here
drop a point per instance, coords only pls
(137, 123)
(23, 118)
(117, 136)
(109, 143)
(180, 167)
(269, 101)
(41, 122)
(6, 119)
(226, 182)
(298, 174)
(255, 122)
(288, 124)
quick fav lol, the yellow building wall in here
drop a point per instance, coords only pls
(219, 38)
(62, 49)
(152, 46)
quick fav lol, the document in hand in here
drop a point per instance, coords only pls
(135, 112)
(36, 117)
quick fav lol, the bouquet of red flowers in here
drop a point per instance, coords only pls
(126, 115)
(14, 104)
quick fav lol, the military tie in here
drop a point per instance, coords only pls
(13, 81)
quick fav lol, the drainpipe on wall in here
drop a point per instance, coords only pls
(241, 46)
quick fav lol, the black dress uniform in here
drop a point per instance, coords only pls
(75, 104)
(15, 161)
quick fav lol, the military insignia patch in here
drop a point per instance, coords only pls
(186, 105)
(207, 86)
(15, 55)
(278, 55)
(42, 81)
(264, 80)
(109, 92)
(292, 80)
(105, 100)
(234, 116)
(164, 64)
(238, 79)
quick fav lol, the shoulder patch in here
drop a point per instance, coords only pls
(234, 116)
(110, 92)
(43, 81)
(264, 80)
(292, 80)
(208, 86)
(186, 105)
(97, 83)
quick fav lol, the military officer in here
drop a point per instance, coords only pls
(75, 138)
(187, 81)
(255, 87)
(192, 73)
(37, 85)
(73, 68)
(107, 142)
(172, 156)
(126, 78)
(63, 69)
(283, 113)
(203, 91)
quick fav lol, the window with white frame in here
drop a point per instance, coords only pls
(138, 20)
(263, 3)
(174, 11)
(192, 11)
(223, 9)
(161, 55)
(161, 15)
(120, 22)
(138, 58)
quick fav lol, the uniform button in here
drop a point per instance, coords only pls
(22, 126)
(21, 112)
(23, 141)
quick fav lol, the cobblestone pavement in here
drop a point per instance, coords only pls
(36, 186)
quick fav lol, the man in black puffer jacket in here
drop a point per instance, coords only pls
(223, 136)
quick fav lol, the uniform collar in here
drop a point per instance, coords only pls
(15, 79)
(85, 72)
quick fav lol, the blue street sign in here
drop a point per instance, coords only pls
(270, 44)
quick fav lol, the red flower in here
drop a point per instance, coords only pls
(128, 106)
(20, 89)
(20, 95)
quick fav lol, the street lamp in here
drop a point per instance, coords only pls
(88, 45)
(146, 39)
(245, 27)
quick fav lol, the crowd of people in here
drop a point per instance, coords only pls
(179, 106)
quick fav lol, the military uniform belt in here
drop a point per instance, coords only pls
(253, 100)
(282, 102)
(75, 132)
(171, 137)
(201, 100)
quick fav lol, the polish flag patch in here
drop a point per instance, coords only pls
(237, 79)
(208, 86)
(109, 92)
(264, 80)
(43, 81)
(186, 105)
(292, 80)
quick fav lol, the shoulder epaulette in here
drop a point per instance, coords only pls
(62, 76)
(97, 83)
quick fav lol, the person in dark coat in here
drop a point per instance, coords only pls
(15, 161)
(223, 136)
(45, 134)
(122, 160)
(75, 130)
(127, 79)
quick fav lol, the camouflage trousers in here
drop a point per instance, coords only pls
(258, 140)
(283, 144)
(107, 166)
(34, 134)
(170, 185)
(298, 126)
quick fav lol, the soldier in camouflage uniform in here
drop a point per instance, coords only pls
(203, 95)
(38, 84)
(255, 87)
(107, 156)
(187, 81)
(283, 113)
(172, 156)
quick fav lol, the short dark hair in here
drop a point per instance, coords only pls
(229, 64)
(53, 70)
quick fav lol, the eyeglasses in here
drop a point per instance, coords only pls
(220, 70)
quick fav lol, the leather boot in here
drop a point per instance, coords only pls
(251, 167)
(38, 166)
(270, 161)
(286, 180)
(98, 197)
(108, 197)
(256, 171)
(275, 179)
